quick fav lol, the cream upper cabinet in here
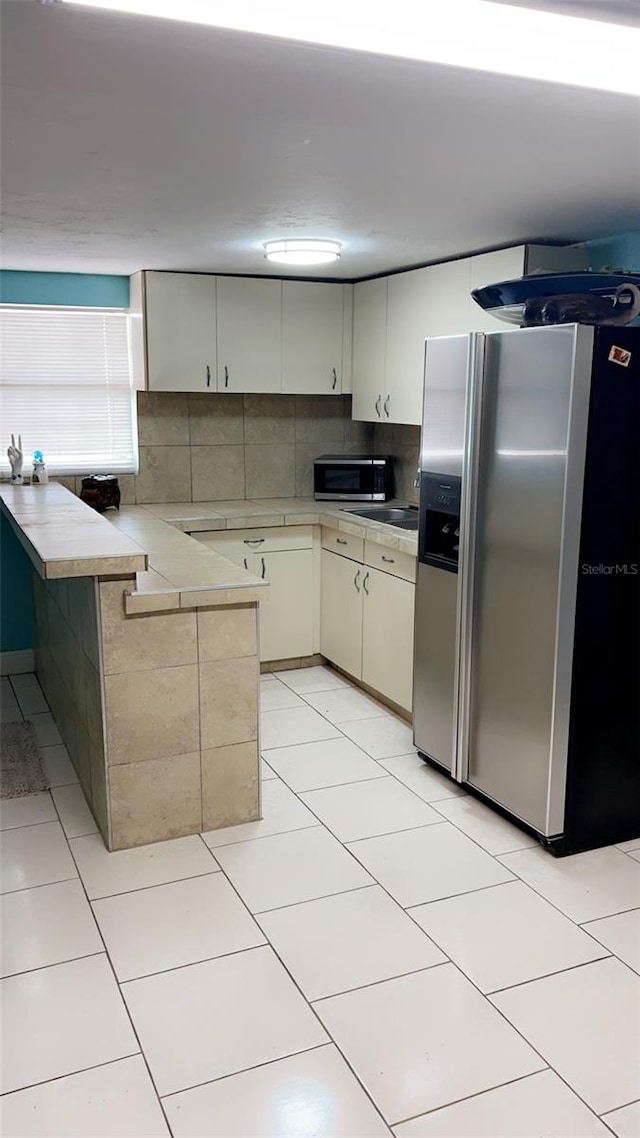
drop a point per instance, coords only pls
(249, 334)
(491, 268)
(312, 337)
(394, 315)
(180, 331)
(387, 637)
(407, 314)
(369, 347)
(447, 312)
(434, 301)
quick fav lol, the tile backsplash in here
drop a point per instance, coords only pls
(216, 447)
(403, 442)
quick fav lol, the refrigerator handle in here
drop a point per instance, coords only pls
(467, 555)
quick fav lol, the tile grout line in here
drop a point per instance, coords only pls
(191, 964)
(245, 1070)
(482, 994)
(496, 857)
(69, 1074)
(377, 983)
(469, 1098)
(547, 975)
(308, 1004)
(115, 979)
(309, 900)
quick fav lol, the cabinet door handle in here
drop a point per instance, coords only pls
(390, 560)
(341, 541)
(386, 405)
(253, 540)
(378, 402)
(226, 376)
(264, 569)
(356, 579)
(364, 584)
(208, 376)
(245, 563)
(334, 382)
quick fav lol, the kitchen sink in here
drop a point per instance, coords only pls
(405, 517)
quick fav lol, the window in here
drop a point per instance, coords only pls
(66, 387)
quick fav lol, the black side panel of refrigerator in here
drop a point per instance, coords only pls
(603, 786)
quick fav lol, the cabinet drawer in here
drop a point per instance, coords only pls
(390, 561)
(344, 543)
(245, 541)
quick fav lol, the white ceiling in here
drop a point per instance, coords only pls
(135, 143)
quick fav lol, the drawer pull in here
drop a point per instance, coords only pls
(364, 584)
(341, 541)
(264, 569)
(356, 579)
(245, 563)
(208, 376)
(253, 540)
(226, 376)
(334, 383)
(389, 560)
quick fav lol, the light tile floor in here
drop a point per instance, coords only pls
(380, 955)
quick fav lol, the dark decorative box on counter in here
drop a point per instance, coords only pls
(101, 491)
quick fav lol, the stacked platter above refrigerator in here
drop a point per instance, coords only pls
(563, 298)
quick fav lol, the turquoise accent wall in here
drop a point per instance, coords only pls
(16, 604)
(91, 291)
(84, 289)
(621, 251)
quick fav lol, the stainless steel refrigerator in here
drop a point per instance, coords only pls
(527, 635)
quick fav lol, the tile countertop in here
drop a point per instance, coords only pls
(202, 576)
(197, 517)
(63, 537)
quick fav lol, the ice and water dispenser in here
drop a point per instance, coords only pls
(440, 521)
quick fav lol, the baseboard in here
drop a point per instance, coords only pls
(12, 663)
(292, 663)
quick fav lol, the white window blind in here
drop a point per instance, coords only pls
(66, 387)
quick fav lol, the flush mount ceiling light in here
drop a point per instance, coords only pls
(476, 34)
(302, 251)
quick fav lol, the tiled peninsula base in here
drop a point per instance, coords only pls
(159, 711)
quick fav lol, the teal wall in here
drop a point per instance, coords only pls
(64, 288)
(621, 251)
(16, 606)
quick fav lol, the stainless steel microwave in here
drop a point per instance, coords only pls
(353, 477)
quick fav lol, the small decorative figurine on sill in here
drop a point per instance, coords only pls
(39, 474)
(14, 454)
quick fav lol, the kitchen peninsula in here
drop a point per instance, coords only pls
(148, 642)
(146, 648)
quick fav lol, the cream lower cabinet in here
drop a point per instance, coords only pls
(387, 636)
(287, 614)
(283, 556)
(366, 625)
(341, 598)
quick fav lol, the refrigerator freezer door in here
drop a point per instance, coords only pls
(443, 422)
(529, 492)
(435, 672)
